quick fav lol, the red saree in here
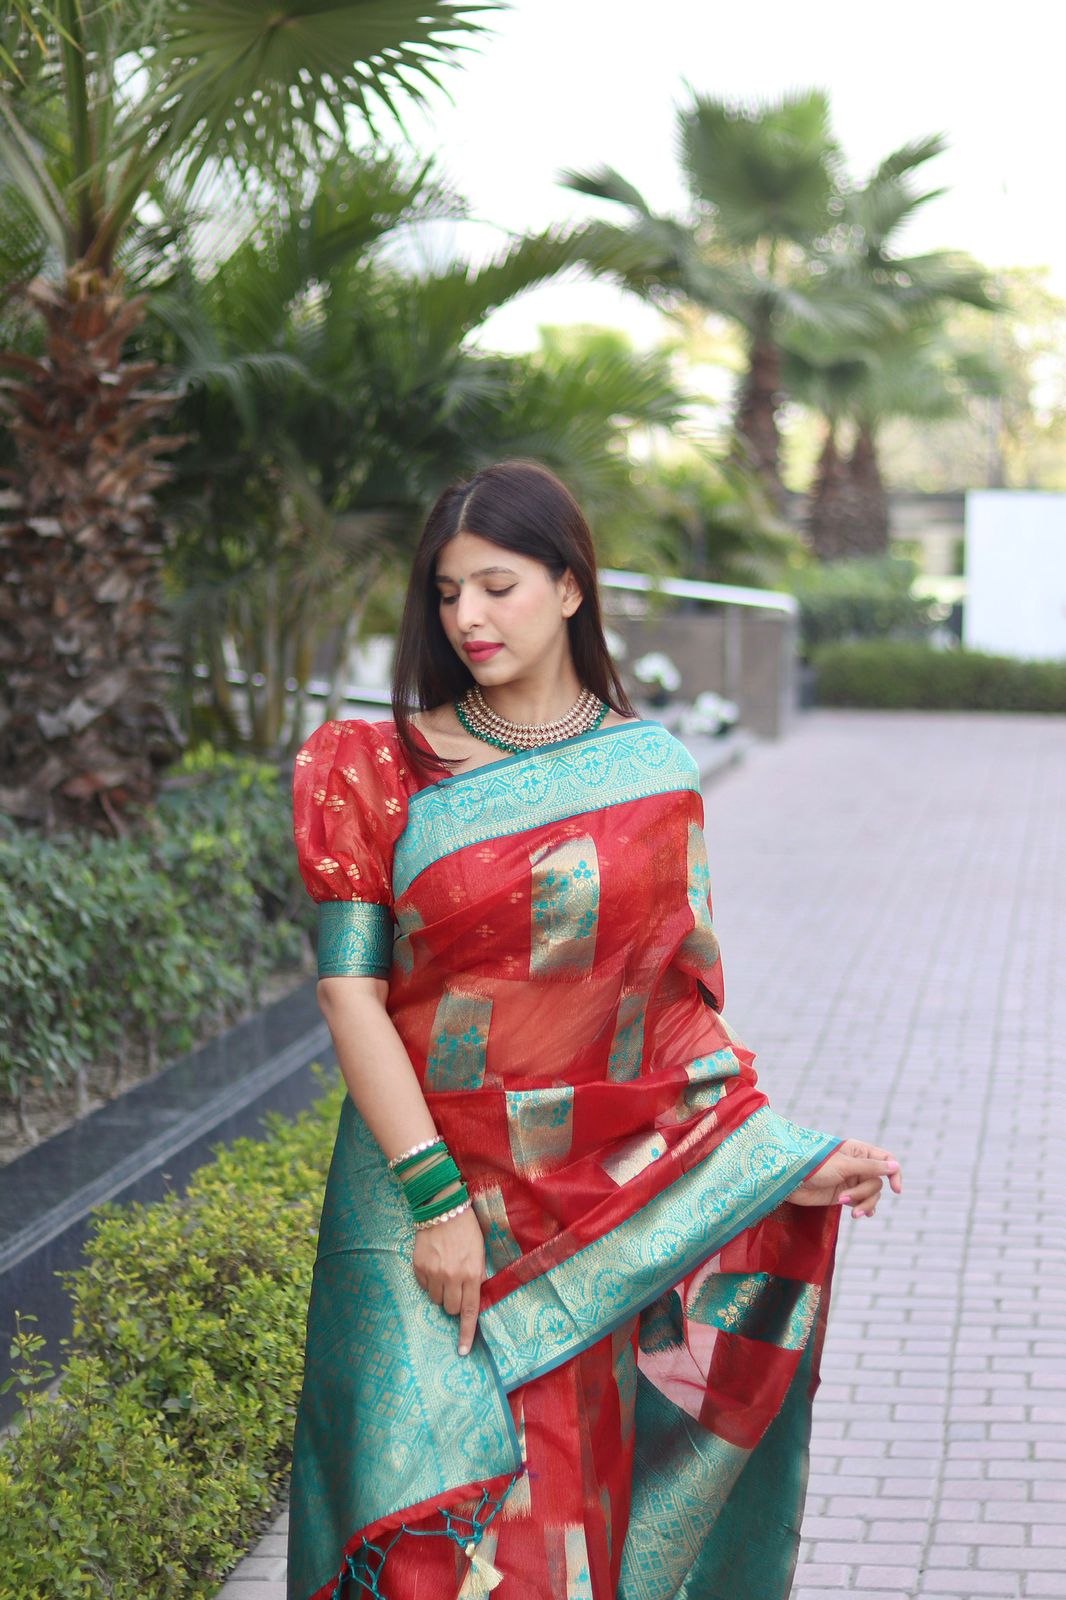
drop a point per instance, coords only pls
(633, 1420)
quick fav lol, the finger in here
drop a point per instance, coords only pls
(864, 1197)
(857, 1193)
(859, 1167)
(893, 1170)
(453, 1299)
(468, 1319)
(435, 1288)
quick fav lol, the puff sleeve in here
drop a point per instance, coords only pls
(349, 807)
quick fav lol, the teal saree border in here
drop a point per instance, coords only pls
(354, 939)
(547, 1321)
(604, 767)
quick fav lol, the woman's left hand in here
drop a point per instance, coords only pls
(852, 1176)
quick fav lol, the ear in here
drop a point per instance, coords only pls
(572, 596)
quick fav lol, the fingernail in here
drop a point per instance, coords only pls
(893, 1166)
(845, 1199)
(464, 1349)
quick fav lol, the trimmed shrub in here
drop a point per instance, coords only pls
(115, 946)
(144, 1474)
(894, 675)
(862, 598)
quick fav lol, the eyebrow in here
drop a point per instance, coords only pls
(482, 572)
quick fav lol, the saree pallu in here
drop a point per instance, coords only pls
(634, 1418)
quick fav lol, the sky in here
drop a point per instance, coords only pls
(580, 83)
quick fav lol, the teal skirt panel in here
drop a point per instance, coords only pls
(390, 1414)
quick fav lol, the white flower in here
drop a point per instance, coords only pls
(709, 713)
(657, 668)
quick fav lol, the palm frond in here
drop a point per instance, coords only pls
(24, 246)
(463, 297)
(605, 183)
(942, 275)
(303, 69)
(23, 166)
(906, 160)
(766, 171)
(882, 211)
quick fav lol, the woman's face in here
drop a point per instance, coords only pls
(491, 597)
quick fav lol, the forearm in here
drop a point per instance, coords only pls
(374, 1063)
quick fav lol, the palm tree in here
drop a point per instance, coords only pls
(762, 182)
(902, 369)
(916, 373)
(108, 115)
(329, 396)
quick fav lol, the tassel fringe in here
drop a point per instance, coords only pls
(364, 1568)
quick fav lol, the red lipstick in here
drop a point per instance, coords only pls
(481, 652)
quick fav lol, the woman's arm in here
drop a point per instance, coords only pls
(374, 1062)
(449, 1258)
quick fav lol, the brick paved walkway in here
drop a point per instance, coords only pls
(890, 891)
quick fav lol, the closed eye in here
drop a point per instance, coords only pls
(450, 599)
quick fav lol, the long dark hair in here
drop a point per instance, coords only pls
(520, 506)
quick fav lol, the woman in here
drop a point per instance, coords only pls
(573, 1271)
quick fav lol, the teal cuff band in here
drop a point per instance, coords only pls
(354, 939)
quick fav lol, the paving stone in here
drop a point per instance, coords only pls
(892, 938)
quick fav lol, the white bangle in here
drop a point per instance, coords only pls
(457, 1211)
(415, 1150)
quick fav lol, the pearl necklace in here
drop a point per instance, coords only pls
(478, 718)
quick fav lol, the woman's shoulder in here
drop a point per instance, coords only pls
(350, 743)
(652, 743)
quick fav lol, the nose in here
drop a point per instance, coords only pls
(468, 609)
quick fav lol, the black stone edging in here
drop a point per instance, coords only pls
(140, 1145)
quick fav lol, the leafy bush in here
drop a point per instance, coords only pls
(863, 598)
(144, 1473)
(110, 946)
(913, 676)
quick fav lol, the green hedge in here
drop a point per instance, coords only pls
(860, 598)
(145, 1473)
(897, 676)
(135, 946)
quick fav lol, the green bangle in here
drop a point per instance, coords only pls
(437, 1147)
(438, 1169)
(437, 1207)
(430, 1183)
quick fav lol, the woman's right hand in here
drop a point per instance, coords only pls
(449, 1263)
(853, 1175)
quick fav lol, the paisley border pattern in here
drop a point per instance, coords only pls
(628, 761)
(548, 1320)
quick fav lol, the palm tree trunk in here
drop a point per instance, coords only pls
(828, 516)
(758, 437)
(84, 713)
(868, 497)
